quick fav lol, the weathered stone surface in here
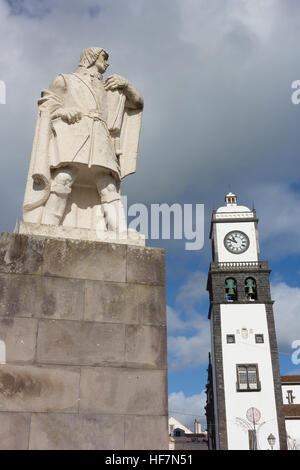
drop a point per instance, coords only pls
(76, 432)
(146, 265)
(146, 346)
(113, 390)
(44, 389)
(14, 431)
(155, 437)
(77, 343)
(15, 298)
(19, 336)
(88, 234)
(125, 303)
(21, 254)
(85, 260)
(85, 333)
(108, 302)
(152, 305)
(53, 297)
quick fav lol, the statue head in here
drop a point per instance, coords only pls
(94, 56)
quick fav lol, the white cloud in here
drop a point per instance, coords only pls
(185, 352)
(287, 314)
(193, 290)
(189, 344)
(174, 322)
(259, 16)
(188, 408)
(190, 341)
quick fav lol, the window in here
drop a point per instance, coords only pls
(230, 289)
(244, 333)
(230, 339)
(247, 378)
(259, 338)
(290, 397)
(250, 289)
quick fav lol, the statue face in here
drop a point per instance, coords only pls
(101, 63)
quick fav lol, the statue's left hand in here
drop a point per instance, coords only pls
(114, 82)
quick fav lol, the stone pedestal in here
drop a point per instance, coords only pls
(84, 328)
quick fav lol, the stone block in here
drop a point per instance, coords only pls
(112, 390)
(21, 254)
(85, 260)
(146, 346)
(125, 303)
(53, 297)
(152, 305)
(55, 431)
(146, 265)
(19, 336)
(146, 433)
(109, 302)
(14, 431)
(79, 343)
(41, 389)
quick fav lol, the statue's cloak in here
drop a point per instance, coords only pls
(109, 141)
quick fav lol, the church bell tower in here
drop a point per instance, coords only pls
(244, 405)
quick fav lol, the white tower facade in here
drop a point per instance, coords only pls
(246, 409)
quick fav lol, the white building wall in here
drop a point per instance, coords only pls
(296, 393)
(178, 425)
(197, 427)
(245, 351)
(293, 433)
(223, 254)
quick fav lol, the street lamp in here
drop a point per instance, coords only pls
(271, 440)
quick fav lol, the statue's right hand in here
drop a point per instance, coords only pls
(69, 115)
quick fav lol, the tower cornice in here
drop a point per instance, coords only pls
(239, 266)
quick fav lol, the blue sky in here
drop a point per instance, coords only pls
(216, 78)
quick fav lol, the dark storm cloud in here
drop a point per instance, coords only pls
(215, 76)
(29, 8)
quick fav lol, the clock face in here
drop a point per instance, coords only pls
(253, 415)
(236, 242)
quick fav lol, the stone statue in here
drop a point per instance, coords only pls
(86, 141)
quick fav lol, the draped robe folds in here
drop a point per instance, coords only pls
(106, 137)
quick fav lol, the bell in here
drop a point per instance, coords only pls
(250, 290)
(230, 286)
(250, 286)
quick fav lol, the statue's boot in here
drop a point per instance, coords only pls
(55, 209)
(60, 189)
(115, 217)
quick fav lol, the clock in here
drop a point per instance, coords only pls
(253, 415)
(236, 242)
